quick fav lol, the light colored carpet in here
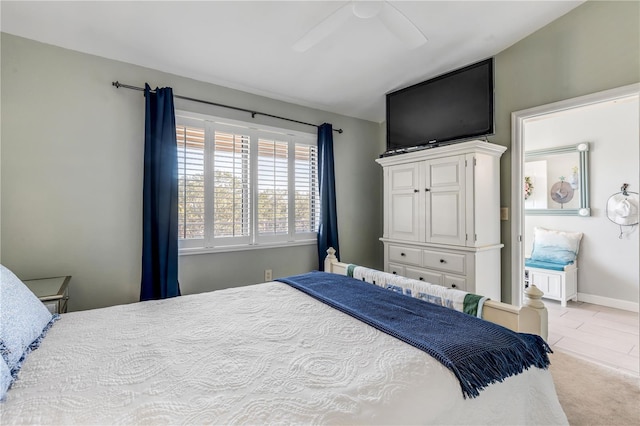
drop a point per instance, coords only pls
(595, 395)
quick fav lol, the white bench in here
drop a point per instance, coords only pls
(556, 285)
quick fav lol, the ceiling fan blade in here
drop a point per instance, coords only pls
(324, 28)
(366, 9)
(401, 26)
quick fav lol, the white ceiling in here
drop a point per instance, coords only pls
(247, 45)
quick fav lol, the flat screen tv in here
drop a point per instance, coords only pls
(453, 107)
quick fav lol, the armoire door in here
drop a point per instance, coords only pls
(404, 203)
(445, 200)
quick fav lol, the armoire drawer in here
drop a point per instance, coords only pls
(431, 277)
(459, 283)
(406, 255)
(396, 269)
(444, 261)
(438, 278)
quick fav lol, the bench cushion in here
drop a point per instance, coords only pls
(532, 263)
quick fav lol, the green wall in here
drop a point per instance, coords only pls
(71, 175)
(592, 48)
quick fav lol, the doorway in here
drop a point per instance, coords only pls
(607, 180)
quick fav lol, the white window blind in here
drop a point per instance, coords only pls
(273, 187)
(191, 199)
(240, 185)
(231, 213)
(307, 194)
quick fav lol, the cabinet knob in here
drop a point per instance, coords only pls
(427, 189)
(453, 286)
(416, 190)
(394, 272)
(421, 279)
(443, 261)
(402, 254)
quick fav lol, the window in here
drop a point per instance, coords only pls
(241, 186)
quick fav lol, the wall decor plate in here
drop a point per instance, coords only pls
(561, 192)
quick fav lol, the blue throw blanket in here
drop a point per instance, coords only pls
(478, 352)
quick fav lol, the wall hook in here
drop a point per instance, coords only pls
(623, 189)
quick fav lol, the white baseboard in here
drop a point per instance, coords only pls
(607, 301)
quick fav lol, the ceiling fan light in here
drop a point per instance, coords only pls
(366, 9)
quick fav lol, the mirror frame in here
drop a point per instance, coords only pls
(582, 149)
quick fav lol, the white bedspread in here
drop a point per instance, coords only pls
(259, 354)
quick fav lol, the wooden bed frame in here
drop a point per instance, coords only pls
(531, 317)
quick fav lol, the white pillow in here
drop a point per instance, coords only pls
(555, 246)
(23, 320)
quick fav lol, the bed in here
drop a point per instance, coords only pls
(260, 354)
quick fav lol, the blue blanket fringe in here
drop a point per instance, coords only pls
(478, 352)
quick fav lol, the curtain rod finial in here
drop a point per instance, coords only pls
(116, 83)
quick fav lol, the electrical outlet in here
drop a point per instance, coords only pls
(504, 213)
(268, 275)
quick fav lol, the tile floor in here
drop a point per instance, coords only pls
(597, 333)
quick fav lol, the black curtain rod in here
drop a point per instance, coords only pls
(118, 85)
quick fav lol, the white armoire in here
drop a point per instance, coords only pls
(442, 216)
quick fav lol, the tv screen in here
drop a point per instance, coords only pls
(449, 108)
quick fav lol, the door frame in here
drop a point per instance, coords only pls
(518, 119)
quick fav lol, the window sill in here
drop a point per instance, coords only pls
(244, 247)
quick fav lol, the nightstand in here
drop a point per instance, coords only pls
(53, 292)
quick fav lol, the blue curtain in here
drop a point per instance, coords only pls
(328, 229)
(160, 198)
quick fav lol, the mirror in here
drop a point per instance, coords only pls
(556, 181)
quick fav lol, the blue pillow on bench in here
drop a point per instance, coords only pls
(557, 247)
